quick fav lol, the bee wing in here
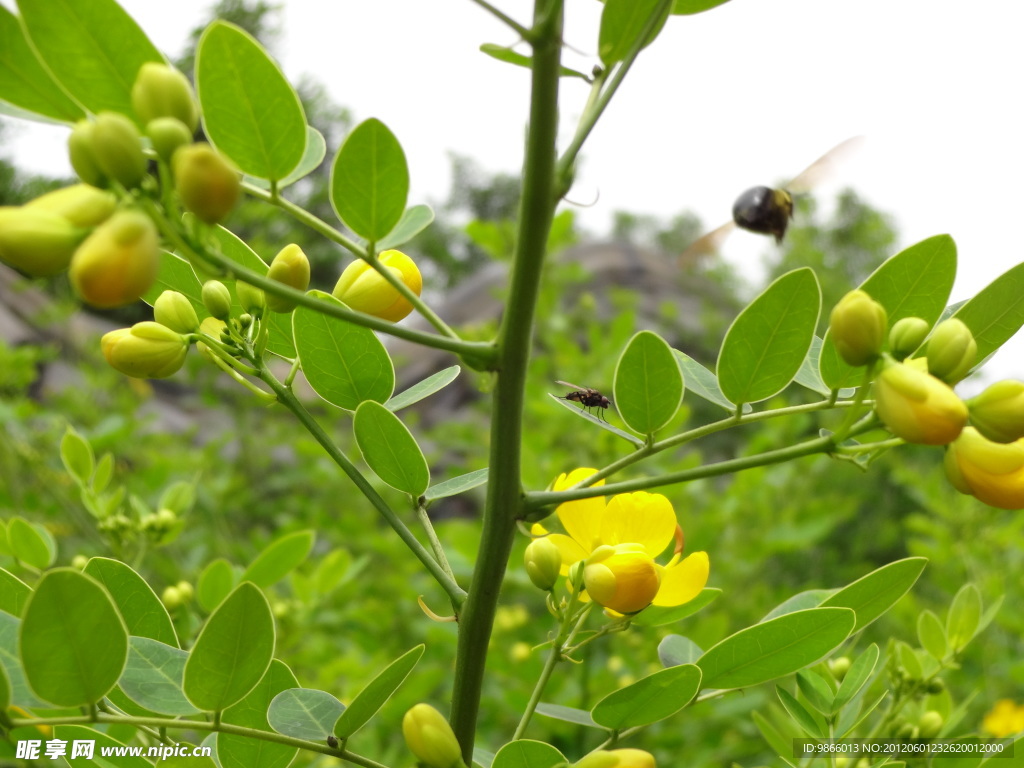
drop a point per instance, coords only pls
(706, 245)
(571, 386)
(825, 166)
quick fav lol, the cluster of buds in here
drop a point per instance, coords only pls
(915, 399)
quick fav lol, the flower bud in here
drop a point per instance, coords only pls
(364, 290)
(930, 724)
(37, 242)
(214, 328)
(992, 472)
(147, 350)
(430, 738)
(918, 407)
(117, 147)
(186, 590)
(171, 598)
(290, 267)
(78, 562)
(81, 204)
(951, 351)
(622, 577)
(251, 298)
(167, 134)
(162, 91)
(543, 563)
(118, 262)
(839, 667)
(207, 184)
(617, 758)
(907, 335)
(998, 412)
(83, 156)
(217, 299)
(858, 324)
(176, 312)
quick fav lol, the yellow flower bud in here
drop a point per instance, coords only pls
(186, 590)
(543, 563)
(78, 562)
(81, 204)
(147, 350)
(251, 298)
(39, 243)
(290, 267)
(622, 577)
(117, 147)
(430, 738)
(907, 335)
(931, 723)
(162, 91)
(617, 758)
(207, 184)
(118, 262)
(951, 351)
(212, 327)
(167, 134)
(362, 289)
(917, 407)
(858, 324)
(176, 312)
(998, 412)
(171, 598)
(83, 156)
(992, 472)
(217, 299)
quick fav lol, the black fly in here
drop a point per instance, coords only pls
(587, 397)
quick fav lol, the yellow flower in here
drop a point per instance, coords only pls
(362, 289)
(918, 407)
(617, 758)
(1006, 718)
(993, 472)
(619, 542)
(429, 736)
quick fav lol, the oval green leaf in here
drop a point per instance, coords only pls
(996, 313)
(932, 635)
(414, 220)
(215, 582)
(77, 456)
(676, 649)
(153, 676)
(775, 648)
(14, 593)
(456, 485)
(279, 558)
(622, 23)
(143, 613)
(21, 695)
(176, 274)
(964, 617)
(304, 713)
(799, 713)
(916, 282)
(389, 449)
(659, 616)
(766, 344)
(370, 180)
(376, 693)
(703, 383)
(648, 386)
(817, 692)
(649, 699)
(316, 151)
(526, 753)
(344, 363)
(689, 7)
(239, 751)
(600, 422)
(872, 595)
(101, 741)
(73, 643)
(857, 675)
(509, 56)
(30, 544)
(567, 714)
(423, 389)
(801, 601)
(250, 111)
(91, 47)
(232, 652)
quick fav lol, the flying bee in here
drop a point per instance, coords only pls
(587, 397)
(766, 210)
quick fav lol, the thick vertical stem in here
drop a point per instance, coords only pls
(504, 490)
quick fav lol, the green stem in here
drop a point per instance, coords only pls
(504, 489)
(435, 542)
(287, 398)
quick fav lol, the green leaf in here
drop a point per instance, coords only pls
(996, 313)
(526, 753)
(456, 485)
(91, 47)
(659, 616)
(932, 635)
(816, 691)
(176, 274)
(703, 383)
(648, 383)
(567, 714)
(801, 601)
(365, 705)
(509, 56)
(808, 375)
(316, 151)
(24, 81)
(239, 751)
(916, 282)
(21, 694)
(676, 649)
(595, 420)
(215, 582)
(389, 449)
(251, 113)
(14, 593)
(769, 340)
(143, 613)
(344, 363)
(370, 180)
(649, 699)
(101, 741)
(857, 675)
(153, 676)
(775, 648)
(73, 643)
(782, 745)
(30, 544)
(799, 713)
(414, 220)
(622, 23)
(688, 7)
(232, 652)
(423, 389)
(104, 473)
(279, 558)
(304, 713)
(5, 690)
(77, 457)
(964, 617)
(872, 595)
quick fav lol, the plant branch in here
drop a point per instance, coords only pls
(525, 33)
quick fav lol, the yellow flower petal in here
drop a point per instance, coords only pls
(581, 519)
(639, 518)
(683, 581)
(570, 550)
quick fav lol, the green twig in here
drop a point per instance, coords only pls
(525, 33)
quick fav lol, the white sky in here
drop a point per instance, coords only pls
(746, 94)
